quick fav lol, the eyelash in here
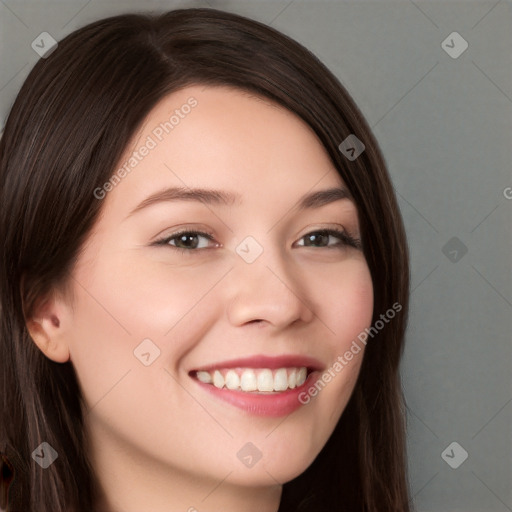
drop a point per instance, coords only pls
(346, 239)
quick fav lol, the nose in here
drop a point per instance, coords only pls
(268, 290)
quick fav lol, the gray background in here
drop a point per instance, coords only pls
(444, 125)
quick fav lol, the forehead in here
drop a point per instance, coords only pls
(225, 138)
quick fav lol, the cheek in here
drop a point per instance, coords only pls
(346, 301)
(117, 306)
(146, 299)
(154, 298)
(348, 309)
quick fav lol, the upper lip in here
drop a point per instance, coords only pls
(271, 362)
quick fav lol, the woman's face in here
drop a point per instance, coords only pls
(152, 308)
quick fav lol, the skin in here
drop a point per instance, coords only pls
(157, 440)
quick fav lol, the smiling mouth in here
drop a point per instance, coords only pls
(254, 380)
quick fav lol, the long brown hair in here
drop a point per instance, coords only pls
(70, 123)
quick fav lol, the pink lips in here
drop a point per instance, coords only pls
(270, 405)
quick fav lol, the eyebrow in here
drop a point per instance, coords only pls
(223, 197)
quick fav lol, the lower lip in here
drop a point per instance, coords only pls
(271, 405)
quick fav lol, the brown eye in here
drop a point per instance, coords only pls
(322, 237)
(186, 241)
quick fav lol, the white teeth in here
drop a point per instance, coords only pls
(281, 380)
(301, 376)
(292, 379)
(248, 381)
(263, 380)
(218, 379)
(232, 380)
(204, 377)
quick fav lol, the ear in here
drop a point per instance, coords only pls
(48, 327)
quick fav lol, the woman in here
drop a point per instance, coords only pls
(204, 278)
